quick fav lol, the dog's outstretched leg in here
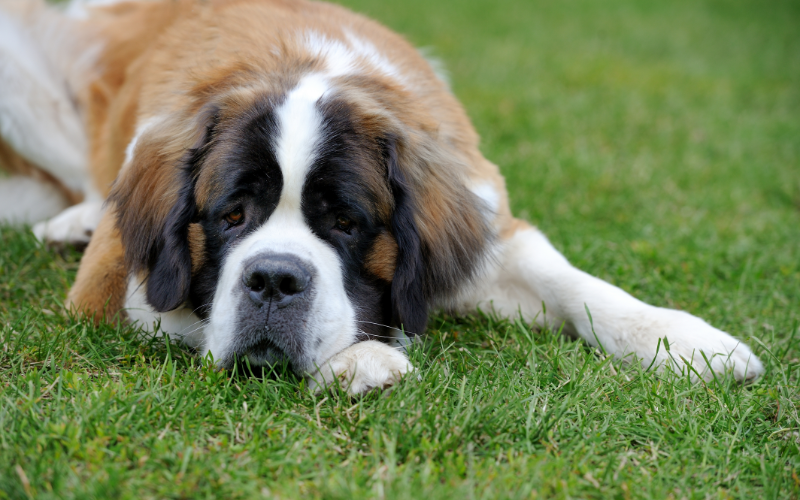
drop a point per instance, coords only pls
(530, 271)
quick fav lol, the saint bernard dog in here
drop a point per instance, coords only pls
(284, 180)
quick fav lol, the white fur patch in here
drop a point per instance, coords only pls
(24, 200)
(81, 9)
(181, 323)
(140, 130)
(38, 118)
(369, 53)
(362, 367)
(339, 59)
(299, 133)
(343, 58)
(490, 197)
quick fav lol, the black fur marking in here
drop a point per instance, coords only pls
(170, 262)
(252, 180)
(409, 303)
(347, 180)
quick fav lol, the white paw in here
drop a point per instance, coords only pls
(74, 225)
(688, 337)
(362, 367)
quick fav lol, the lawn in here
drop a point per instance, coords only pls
(656, 143)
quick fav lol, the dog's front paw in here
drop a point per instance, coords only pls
(362, 367)
(73, 226)
(689, 336)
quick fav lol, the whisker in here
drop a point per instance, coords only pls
(387, 326)
(201, 307)
(202, 323)
(199, 324)
(387, 337)
(398, 347)
(205, 321)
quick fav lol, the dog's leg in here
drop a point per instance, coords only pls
(102, 282)
(529, 271)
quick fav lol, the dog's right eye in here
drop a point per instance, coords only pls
(344, 224)
(235, 217)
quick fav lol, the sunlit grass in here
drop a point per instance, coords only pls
(655, 143)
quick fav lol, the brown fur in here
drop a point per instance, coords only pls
(382, 259)
(99, 289)
(149, 187)
(129, 31)
(197, 246)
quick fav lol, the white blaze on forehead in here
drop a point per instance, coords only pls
(339, 59)
(344, 57)
(370, 53)
(299, 123)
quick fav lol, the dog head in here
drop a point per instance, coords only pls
(298, 211)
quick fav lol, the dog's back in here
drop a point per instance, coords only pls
(52, 94)
(44, 58)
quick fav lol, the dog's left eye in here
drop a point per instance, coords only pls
(344, 224)
(235, 217)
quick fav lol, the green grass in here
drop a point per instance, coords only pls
(656, 143)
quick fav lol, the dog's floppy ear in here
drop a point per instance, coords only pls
(439, 227)
(153, 198)
(409, 304)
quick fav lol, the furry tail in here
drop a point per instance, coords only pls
(45, 62)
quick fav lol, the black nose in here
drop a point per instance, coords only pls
(275, 278)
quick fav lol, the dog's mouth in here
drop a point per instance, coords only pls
(264, 352)
(259, 358)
